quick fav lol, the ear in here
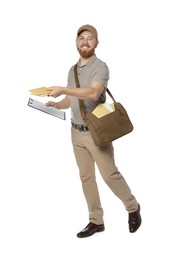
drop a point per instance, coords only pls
(96, 44)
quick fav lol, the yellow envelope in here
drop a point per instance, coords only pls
(103, 109)
(42, 92)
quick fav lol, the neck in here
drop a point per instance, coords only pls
(83, 60)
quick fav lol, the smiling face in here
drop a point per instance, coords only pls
(86, 44)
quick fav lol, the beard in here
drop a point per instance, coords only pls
(86, 53)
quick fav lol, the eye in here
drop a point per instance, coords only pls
(81, 38)
(90, 38)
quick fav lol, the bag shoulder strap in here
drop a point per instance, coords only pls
(78, 86)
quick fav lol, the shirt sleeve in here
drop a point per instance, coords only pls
(101, 74)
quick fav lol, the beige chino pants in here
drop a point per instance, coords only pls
(87, 154)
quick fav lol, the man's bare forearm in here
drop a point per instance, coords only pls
(88, 93)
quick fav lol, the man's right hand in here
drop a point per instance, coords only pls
(52, 104)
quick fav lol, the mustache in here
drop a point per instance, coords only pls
(85, 45)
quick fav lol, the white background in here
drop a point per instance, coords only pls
(41, 202)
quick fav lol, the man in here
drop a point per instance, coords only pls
(93, 76)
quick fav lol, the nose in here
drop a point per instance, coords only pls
(85, 40)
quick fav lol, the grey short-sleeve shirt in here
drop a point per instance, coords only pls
(94, 70)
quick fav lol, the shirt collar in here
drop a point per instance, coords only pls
(90, 61)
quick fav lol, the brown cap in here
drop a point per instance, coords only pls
(88, 27)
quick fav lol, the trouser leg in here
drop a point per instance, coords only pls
(86, 166)
(104, 158)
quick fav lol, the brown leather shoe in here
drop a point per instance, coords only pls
(90, 229)
(134, 220)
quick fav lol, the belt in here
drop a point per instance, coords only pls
(81, 128)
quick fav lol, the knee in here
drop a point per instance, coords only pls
(86, 177)
(112, 176)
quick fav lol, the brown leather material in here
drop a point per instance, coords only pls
(109, 127)
(135, 220)
(90, 230)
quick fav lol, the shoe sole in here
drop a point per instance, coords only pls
(98, 230)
